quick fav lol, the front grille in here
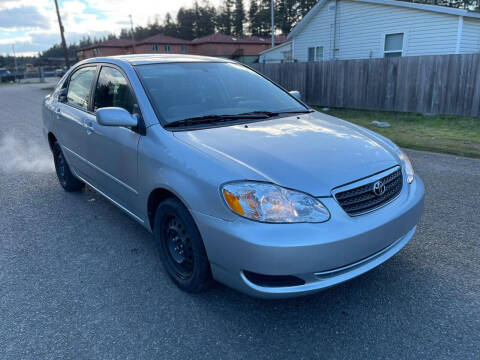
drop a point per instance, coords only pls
(365, 198)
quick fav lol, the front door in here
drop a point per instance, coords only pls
(71, 113)
(112, 150)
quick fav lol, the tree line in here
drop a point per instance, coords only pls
(232, 17)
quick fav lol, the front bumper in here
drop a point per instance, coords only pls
(322, 255)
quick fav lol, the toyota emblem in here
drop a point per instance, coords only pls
(379, 188)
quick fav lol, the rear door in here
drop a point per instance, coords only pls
(112, 150)
(71, 112)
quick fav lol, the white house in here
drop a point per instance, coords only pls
(277, 54)
(360, 29)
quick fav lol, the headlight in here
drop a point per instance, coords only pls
(407, 165)
(272, 204)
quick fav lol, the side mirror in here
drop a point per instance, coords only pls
(114, 116)
(296, 94)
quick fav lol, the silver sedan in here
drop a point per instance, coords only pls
(238, 180)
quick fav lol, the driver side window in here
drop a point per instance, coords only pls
(78, 93)
(112, 90)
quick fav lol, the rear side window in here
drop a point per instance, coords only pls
(79, 87)
(113, 91)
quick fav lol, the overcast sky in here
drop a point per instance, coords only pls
(32, 24)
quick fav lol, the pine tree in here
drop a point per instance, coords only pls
(264, 18)
(204, 19)
(169, 26)
(254, 26)
(286, 15)
(186, 22)
(304, 6)
(238, 18)
(225, 18)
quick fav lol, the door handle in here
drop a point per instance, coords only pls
(89, 128)
(57, 113)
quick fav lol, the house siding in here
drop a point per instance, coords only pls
(316, 33)
(361, 29)
(470, 36)
(275, 55)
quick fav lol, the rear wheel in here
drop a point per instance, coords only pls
(181, 247)
(65, 176)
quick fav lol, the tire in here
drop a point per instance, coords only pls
(68, 181)
(181, 247)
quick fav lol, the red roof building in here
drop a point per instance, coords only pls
(106, 48)
(162, 44)
(245, 49)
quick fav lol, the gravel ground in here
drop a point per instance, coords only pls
(79, 279)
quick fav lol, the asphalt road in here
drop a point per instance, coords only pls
(81, 280)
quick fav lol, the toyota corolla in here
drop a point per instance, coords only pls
(238, 180)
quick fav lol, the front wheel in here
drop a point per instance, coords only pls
(181, 247)
(65, 176)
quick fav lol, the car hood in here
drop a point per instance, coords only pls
(312, 152)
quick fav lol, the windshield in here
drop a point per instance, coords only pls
(187, 90)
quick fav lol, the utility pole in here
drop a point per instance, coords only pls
(64, 44)
(273, 23)
(131, 32)
(15, 61)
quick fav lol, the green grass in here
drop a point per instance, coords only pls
(439, 133)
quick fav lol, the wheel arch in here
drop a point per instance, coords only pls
(156, 196)
(51, 140)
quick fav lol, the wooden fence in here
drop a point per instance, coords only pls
(440, 84)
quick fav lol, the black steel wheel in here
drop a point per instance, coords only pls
(181, 246)
(178, 246)
(68, 181)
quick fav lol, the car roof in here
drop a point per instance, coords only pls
(143, 59)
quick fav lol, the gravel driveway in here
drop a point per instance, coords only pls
(81, 280)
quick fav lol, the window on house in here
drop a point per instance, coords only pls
(315, 53)
(167, 48)
(319, 53)
(393, 45)
(287, 55)
(184, 49)
(155, 47)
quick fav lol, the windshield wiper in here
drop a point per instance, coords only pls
(206, 119)
(217, 118)
(267, 114)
